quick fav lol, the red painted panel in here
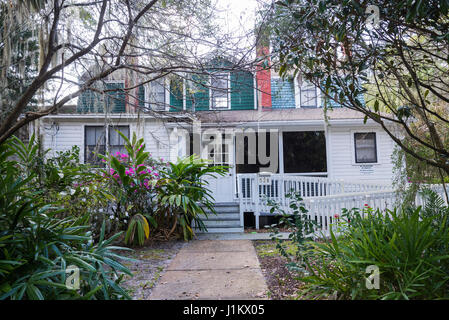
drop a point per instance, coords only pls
(263, 77)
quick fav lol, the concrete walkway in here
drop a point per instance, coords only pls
(213, 269)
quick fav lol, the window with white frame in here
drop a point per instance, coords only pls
(308, 95)
(116, 141)
(157, 95)
(365, 147)
(219, 91)
(218, 150)
(95, 142)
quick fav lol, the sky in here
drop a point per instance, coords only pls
(238, 13)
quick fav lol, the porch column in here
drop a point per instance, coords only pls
(281, 152)
(281, 167)
(328, 154)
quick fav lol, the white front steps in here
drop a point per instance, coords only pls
(227, 219)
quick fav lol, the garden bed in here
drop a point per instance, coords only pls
(153, 259)
(281, 283)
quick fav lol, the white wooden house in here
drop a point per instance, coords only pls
(323, 159)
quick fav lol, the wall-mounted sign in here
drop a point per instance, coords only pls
(366, 169)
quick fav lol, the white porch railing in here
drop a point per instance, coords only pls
(324, 196)
(324, 209)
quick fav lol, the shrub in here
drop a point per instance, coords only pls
(167, 196)
(298, 220)
(37, 246)
(133, 179)
(407, 246)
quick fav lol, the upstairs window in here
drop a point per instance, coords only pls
(157, 95)
(219, 91)
(308, 95)
(365, 147)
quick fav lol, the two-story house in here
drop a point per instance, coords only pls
(252, 121)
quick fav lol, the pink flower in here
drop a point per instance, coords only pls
(336, 216)
(129, 172)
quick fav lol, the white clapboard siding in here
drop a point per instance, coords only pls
(63, 136)
(341, 155)
(157, 139)
(70, 132)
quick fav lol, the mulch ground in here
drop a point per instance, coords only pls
(265, 230)
(152, 259)
(281, 282)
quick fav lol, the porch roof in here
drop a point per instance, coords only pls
(286, 115)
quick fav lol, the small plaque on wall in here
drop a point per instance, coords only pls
(366, 169)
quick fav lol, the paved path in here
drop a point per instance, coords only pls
(213, 269)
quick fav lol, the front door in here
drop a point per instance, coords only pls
(220, 151)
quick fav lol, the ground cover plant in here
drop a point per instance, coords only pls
(408, 245)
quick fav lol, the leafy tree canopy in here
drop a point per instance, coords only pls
(395, 53)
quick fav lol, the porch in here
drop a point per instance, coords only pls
(323, 197)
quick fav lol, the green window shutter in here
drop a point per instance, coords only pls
(198, 93)
(141, 96)
(176, 94)
(190, 95)
(242, 90)
(89, 102)
(115, 100)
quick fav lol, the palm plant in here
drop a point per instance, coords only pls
(183, 195)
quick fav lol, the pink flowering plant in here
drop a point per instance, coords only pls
(133, 178)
